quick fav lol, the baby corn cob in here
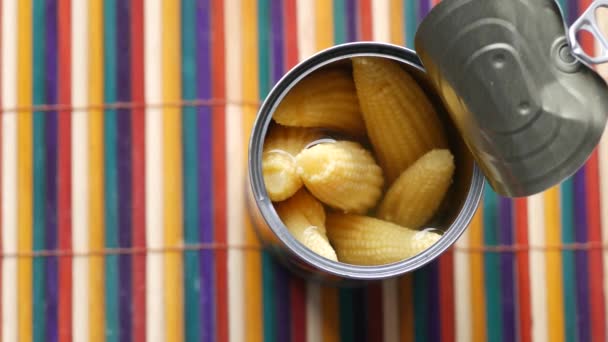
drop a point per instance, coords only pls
(280, 175)
(304, 216)
(401, 123)
(324, 99)
(281, 146)
(342, 175)
(362, 240)
(417, 194)
(290, 139)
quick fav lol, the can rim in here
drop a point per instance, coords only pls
(266, 208)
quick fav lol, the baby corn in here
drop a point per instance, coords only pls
(417, 194)
(401, 123)
(323, 99)
(342, 175)
(290, 139)
(281, 146)
(304, 216)
(362, 240)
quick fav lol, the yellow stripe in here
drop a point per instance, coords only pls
(330, 320)
(397, 30)
(406, 305)
(252, 258)
(478, 300)
(555, 300)
(96, 200)
(24, 173)
(324, 26)
(172, 167)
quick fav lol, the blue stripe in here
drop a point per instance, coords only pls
(568, 268)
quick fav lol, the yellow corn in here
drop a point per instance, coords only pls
(290, 139)
(342, 175)
(417, 194)
(401, 122)
(325, 99)
(280, 175)
(362, 240)
(304, 216)
(281, 146)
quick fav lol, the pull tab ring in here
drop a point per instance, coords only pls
(588, 22)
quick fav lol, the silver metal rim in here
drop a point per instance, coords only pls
(266, 208)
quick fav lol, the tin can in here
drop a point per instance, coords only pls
(464, 194)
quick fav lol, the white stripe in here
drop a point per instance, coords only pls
(306, 48)
(538, 277)
(9, 170)
(313, 312)
(390, 305)
(155, 329)
(306, 28)
(462, 289)
(235, 160)
(381, 20)
(80, 170)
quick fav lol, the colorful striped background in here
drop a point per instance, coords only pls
(123, 146)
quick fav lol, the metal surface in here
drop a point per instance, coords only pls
(463, 197)
(588, 22)
(529, 111)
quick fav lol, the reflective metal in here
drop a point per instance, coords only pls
(461, 201)
(588, 22)
(529, 111)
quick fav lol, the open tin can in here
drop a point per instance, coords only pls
(519, 104)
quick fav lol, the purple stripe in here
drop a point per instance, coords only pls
(582, 269)
(507, 269)
(205, 164)
(51, 288)
(572, 11)
(425, 8)
(123, 163)
(351, 20)
(277, 69)
(434, 323)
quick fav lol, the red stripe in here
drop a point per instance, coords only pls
(596, 274)
(523, 271)
(297, 286)
(65, 172)
(375, 313)
(138, 170)
(291, 34)
(298, 309)
(219, 168)
(446, 296)
(365, 20)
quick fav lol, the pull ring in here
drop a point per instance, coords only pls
(588, 22)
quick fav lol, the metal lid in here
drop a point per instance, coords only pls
(529, 111)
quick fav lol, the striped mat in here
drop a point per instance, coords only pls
(123, 145)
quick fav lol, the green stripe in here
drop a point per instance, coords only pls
(422, 305)
(189, 127)
(564, 6)
(492, 266)
(339, 22)
(39, 164)
(347, 315)
(411, 21)
(111, 174)
(268, 265)
(568, 268)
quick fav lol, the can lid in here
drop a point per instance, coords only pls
(530, 111)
